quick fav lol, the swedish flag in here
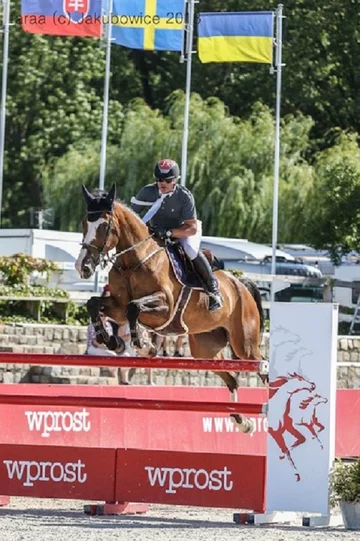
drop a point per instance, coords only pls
(153, 25)
(236, 37)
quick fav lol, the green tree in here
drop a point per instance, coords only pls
(53, 101)
(230, 167)
(333, 221)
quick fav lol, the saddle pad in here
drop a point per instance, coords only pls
(185, 277)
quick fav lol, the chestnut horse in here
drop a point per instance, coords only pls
(144, 288)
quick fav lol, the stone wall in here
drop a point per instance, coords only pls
(26, 338)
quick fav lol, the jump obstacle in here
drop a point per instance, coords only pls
(99, 454)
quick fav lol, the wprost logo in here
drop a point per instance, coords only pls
(174, 478)
(30, 471)
(58, 421)
(226, 424)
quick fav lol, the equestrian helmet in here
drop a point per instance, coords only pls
(167, 170)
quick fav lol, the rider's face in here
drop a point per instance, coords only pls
(166, 187)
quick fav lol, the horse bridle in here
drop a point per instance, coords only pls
(100, 250)
(103, 262)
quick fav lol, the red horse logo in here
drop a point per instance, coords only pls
(294, 398)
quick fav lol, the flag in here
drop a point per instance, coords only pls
(148, 24)
(62, 17)
(236, 37)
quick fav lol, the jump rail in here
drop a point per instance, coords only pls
(129, 403)
(176, 363)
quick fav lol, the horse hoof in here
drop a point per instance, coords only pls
(244, 425)
(115, 343)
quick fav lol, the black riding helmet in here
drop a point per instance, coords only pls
(167, 170)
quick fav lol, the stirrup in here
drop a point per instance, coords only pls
(215, 301)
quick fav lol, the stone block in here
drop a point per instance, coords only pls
(66, 334)
(57, 334)
(8, 377)
(343, 344)
(83, 380)
(48, 334)
(354, 356)
(73, 335)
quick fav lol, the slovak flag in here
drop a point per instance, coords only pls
(62, 17)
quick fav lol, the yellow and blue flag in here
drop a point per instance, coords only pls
(236, 37)
(153, 25)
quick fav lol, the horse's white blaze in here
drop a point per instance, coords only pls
(90, 236)
(79, 260)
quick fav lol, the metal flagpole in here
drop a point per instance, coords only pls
(6, 29)
(105, 115)
(106, 99)
(278, 63)
(189, 45)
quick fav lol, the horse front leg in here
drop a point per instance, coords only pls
(156, 303)
(113, 342)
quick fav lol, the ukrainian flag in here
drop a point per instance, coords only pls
(236, 37)
(148, 24)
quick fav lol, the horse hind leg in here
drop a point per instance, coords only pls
(245, 344)
(210, 345)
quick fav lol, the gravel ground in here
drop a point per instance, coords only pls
(47, 520)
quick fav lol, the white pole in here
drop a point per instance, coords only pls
(106, 99)
(279, 18)
(6, 7)
(190, 34)
(105, 115)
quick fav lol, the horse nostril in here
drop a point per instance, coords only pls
(86, 272)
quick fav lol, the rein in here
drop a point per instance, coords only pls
(127, 272)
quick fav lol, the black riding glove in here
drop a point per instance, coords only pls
(161, 232)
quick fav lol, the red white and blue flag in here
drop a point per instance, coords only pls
(62, 17)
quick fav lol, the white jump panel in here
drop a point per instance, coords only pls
(301, 417)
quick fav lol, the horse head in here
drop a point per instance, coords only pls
(298, 382)
(280, 335)
(99, 233)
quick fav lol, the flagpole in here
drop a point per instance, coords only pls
(106, 99)
(189, 43)
(6, 7)
(105, 116)
(278, 63)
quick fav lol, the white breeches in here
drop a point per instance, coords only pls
(191, 244)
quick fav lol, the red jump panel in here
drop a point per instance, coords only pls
(57, 472)
(200, 479)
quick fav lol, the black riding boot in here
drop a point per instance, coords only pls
(203, 269)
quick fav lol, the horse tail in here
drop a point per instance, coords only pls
(255, 292)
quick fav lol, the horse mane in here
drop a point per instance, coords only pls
(279, 382)
(306, 402)
(124, 205)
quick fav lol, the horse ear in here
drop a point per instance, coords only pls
(111, 195)
(87, 195)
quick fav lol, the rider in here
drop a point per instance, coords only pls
(171, 213)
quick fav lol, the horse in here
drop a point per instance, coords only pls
(145, 290)
(283, 392)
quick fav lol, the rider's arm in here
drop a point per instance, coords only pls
(188, 212)
(188, 229)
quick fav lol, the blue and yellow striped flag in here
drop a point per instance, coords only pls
(154, 25)
(236, 37)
